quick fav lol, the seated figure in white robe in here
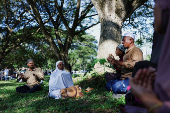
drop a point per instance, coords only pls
(59, 79)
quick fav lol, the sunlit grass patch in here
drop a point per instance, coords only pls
(97, 100)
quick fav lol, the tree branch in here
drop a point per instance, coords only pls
(44, 31)
(86, 28)
(61, 15)
(55, 26)
(85, 12)
(76, 15)
(91, 15)
(131, 6)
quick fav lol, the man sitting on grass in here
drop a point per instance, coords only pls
(33, 77)
(132, 55)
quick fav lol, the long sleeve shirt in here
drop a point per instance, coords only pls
(117, 67)
(31, 79)
(132, 55)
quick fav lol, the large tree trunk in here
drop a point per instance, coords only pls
(112, 14)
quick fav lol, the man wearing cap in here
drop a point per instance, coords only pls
(132, 55)
(33, 77)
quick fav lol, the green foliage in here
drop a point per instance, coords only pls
(102, 61)
(148, 57)
(141, 22)
(139, 42)
(75, 75)
(60, 28)
(83, 51)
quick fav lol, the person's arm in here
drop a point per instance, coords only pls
(39, 74)
(136, 57)
(24, 79)
(117, 62)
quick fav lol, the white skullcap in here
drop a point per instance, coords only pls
(121, 47)
(130, 35)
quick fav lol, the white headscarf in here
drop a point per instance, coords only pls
(55, 81)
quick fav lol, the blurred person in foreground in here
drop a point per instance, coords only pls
(151, 86)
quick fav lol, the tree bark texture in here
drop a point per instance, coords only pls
(112, 14)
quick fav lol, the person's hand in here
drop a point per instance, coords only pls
(109, 58)
(34, 74)
(142, 85)
(113, 58)
(143, 76)
(21, 76)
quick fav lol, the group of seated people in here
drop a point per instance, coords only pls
(6, 74)
(59, 79)
(148, 80)
(119, 81)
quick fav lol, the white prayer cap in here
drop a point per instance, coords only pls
(130, 35)
(121, 47)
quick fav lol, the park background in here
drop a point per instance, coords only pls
(71, 31)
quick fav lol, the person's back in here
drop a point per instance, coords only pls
(156, 47)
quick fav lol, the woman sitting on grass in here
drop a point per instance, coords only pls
(59, 79)
(120, 51)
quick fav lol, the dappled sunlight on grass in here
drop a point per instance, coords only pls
(97, 100)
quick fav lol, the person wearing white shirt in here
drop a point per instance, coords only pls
(6, 73)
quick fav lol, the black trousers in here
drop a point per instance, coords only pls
(141, 65)
(111, 76)
(26, 89)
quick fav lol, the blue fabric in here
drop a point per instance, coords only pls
(118, 86)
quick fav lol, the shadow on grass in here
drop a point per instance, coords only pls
(98, 100)
(97, 82)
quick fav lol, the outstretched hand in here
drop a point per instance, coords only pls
(142, 85)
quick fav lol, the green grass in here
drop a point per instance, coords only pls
(98, 100)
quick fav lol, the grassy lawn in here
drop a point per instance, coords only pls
(98, 100)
